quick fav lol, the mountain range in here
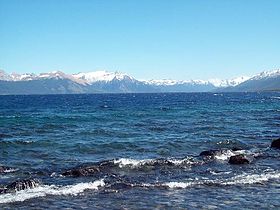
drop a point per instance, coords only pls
(57, 82)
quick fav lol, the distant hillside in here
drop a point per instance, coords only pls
(46, 86)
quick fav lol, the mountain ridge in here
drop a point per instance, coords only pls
(58, 82)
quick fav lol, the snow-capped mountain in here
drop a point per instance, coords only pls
(228, 82)
(57, 82)
(264, 81)
(22, 77)
(61, 75)
(105, 76)
(266, 74)
(170, 82)
(168, 85)
(101, 76)
(215, 82)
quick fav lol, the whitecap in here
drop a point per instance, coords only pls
(45, 190)
(122, 162)
(242, 179)
(133, 163)
(10, 170)
(224, 155)
(220, 173)
(251, 178)
(177, 184)
(187, 161)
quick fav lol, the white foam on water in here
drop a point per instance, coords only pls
(46, 190)
(220, 172)
(225, 155)
(10, 170)
(181, 161)
(122, 162)
(242, 179)
(178, 184)
(252, 178)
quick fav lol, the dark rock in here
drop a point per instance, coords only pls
(159, 163)
(236, 149)
(21, 185)
(2, 190)
(87, 171)
(238, 159)
(120, 185)
(106, 164)
(276, 143)
(209, 153)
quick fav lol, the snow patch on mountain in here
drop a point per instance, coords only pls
(266, 74)
(214, 82)
(169, 82)
(23, 77)
(228, 82)
(60, 75)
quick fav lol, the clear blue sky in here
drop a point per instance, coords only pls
(179, 39)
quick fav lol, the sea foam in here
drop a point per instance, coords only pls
(45, 190)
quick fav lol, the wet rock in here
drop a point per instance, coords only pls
(121, 185)
(77, 172)
(91, 170)
(238, 159)
(276, 143)
(20, 185)
(209, 153)
(159, 163)
(236, 149)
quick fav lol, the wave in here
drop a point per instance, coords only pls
(242, 179)
(134, 163)
(76, 189)
(45, 190)
(127, 163)
(224, 155)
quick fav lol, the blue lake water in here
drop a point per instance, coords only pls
(143, 150)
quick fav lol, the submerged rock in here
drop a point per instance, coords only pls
(96, 168)
(238, 159)
(87, 171)
(276, 143)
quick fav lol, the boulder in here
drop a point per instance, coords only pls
(276, 143)
(21, 185)
(236, 149)
(209, 153)
(77, 172)
(238, 159)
